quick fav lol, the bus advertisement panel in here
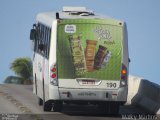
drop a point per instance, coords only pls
(89, 49)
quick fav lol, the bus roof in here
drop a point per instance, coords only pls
(47, 18)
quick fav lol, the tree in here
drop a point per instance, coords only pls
(23, 69)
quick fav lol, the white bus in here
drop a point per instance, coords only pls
(79, 57)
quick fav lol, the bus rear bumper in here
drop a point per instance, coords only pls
(93, 94)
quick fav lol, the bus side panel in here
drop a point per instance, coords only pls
(37, 72)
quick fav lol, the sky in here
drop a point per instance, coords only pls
(142, 18)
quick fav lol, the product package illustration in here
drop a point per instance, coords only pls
(77, 54)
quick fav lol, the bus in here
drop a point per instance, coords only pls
(79, 57)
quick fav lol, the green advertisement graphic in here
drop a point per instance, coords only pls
(89, 49)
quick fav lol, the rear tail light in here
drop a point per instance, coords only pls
(53, 74)
(53, 69)
(124, 76)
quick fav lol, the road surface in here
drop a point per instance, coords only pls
(19, 99)
(7, 107)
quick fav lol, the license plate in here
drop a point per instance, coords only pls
(88, 82)
(86, 94)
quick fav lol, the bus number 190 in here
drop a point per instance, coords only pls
(111, 85)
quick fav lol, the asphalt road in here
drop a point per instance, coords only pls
(19, 99)
(7, 107)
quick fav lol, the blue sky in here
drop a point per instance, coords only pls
(142, 18)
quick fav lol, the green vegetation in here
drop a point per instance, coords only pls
(22, 67)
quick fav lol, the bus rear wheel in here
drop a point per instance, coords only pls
(114, 108)
(109, 108)
(104, 107)
(57, 106)
(47, 106)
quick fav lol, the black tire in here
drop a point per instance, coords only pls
(47, 106)
(111, 108)
(114, 108)
(40, 101)
(103, 107)
(57, 106)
